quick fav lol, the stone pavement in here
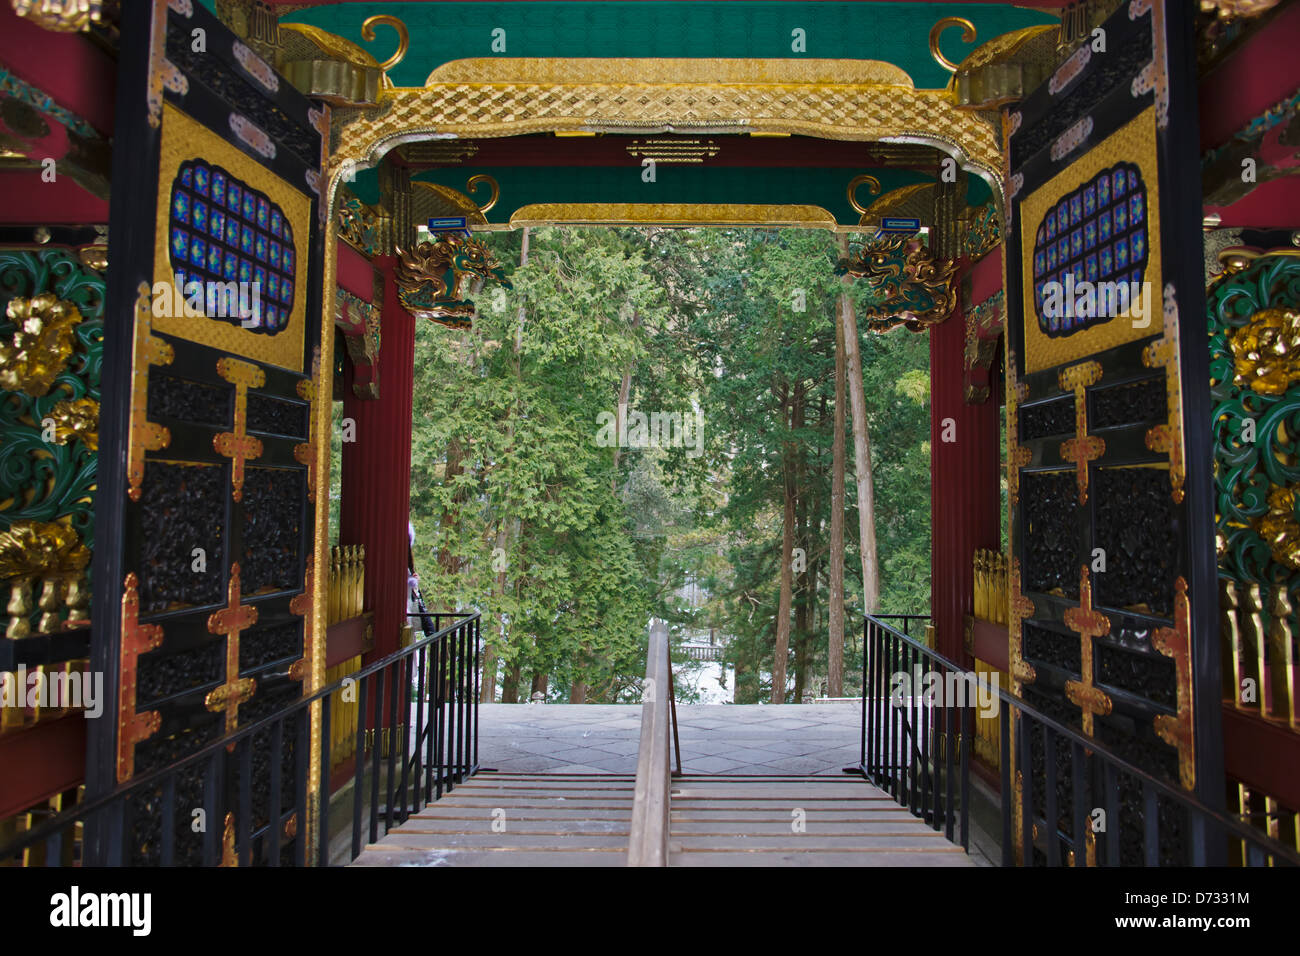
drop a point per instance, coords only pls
(722, 739)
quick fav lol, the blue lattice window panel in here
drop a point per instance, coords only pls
(237, 243)
(1095, 234)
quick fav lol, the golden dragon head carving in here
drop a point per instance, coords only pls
(916, 288)
(434, 278)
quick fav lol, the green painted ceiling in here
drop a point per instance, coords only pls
(896, 32)
(522, 185)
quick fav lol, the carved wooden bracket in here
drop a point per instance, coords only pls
(358, 320)
(984, 325)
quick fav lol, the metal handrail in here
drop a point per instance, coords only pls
(107, 817)
(672, 704)
(1205, 821)
(933, 791)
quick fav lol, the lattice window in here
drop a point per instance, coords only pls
(1098, 233)
(222, 232)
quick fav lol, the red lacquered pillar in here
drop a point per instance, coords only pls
(377, 471)
(965, 509)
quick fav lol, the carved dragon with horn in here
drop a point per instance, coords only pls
(434, 279)
(915, 288)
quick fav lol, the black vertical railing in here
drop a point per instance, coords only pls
(417, 708)
(1079, 804)
(912, 734)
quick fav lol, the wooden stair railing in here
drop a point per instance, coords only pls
(648, 840)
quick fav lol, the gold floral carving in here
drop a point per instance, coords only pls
(137, 639)
(148, 350)
(1232, 9)
(1168, 438)
(62, 16)
(1087, 623)
(77, 419)
(41, 345)
(1266, 351)
(53, 553)
(1082, 448)
(1280, 528)
(239, 446)
(29, 548)
(1175, 642)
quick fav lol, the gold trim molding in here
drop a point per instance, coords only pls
(558, 71)
(671, 214)
(849, 100)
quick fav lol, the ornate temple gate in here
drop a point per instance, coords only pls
(1112, 575)
(207, 507)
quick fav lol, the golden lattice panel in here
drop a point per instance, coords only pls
(868, 112)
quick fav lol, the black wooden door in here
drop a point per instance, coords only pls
(206, 508)
(1112, 529)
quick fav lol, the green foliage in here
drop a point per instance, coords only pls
(569, 546)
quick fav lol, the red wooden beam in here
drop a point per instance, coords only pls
(41, 761)
(733, 151)
(1257, 74)
(355, 273)
(989, 642)
(1263, 755)
(1271, 205)
(348, 639)
(30, 201)
(70, 67)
